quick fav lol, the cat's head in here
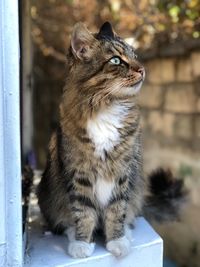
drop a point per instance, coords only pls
(103, 63)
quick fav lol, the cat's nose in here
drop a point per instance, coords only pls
(141, 70)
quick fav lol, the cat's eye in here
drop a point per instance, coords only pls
(115, 61)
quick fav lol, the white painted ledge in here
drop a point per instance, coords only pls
(47, 250)
(50, 250)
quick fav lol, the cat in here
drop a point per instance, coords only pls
(93, 177)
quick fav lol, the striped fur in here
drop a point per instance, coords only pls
(93, 175)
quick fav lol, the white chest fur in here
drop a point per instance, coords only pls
(104, 128)
(103, 191)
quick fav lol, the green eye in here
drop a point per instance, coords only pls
(115, 61)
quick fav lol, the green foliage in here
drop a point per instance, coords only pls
(69, 2)
(180, 10)
(151, 23)
(185, 171)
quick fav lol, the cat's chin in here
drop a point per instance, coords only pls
(133, 89)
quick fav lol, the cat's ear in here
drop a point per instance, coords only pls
(81, 42)
(106, 31)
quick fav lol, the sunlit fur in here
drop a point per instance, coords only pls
(93, 176)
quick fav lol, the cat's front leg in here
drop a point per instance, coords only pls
(117, 241)
(81, 234)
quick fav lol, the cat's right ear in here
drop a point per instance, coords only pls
(81, 42)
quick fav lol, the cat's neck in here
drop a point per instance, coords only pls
(103, 129)
(76, 110)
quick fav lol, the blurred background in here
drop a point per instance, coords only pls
(166, 35)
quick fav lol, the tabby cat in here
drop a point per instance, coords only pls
(93, 178)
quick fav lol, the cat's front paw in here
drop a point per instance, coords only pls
(80, 249)
(119, 247)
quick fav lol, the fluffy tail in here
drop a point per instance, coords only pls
(166, 198)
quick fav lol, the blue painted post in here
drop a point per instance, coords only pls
(2, 180)
(10, 165)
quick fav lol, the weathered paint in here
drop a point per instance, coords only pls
(48, 250)
(10, 165)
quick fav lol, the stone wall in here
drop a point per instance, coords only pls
(170, 102)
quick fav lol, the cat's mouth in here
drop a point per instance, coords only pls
(137, 83)
(133, 88)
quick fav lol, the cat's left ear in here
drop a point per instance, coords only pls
(106, 31)
(82, 41)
